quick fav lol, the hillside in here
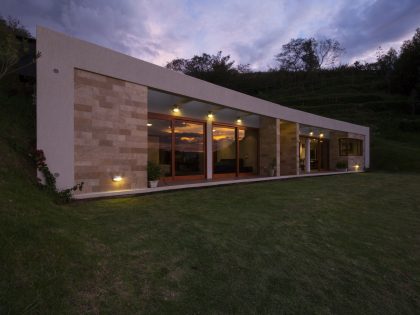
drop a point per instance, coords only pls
(360, 97)
(192, 251)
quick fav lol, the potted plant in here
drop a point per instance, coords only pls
(153, 174)
(273, 167)
(341, 166)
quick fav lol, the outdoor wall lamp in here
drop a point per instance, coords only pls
(117, 178)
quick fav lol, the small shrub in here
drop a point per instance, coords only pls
(154, 171)
(62, 196)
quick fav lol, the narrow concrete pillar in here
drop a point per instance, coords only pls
(308, 155)
(209, 149)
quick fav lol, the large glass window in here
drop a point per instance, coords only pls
(224, 150)
(160, 144)
(248, 151)
(177, 146)
(189, 148)
(235, 150)
(349, 146)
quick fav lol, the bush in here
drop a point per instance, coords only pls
(154, 171)
(62, 196)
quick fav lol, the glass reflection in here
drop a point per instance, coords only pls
(189, 148)
(224, 150)
(160, 144)
(248, 151)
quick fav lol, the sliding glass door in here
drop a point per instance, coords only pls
(224, 150)
(178, 146)
(160, 144)
(235, 151)
(189, 148)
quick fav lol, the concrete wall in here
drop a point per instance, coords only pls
(269, 134)
(289, 148)
(110, 133)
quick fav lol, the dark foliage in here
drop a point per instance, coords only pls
(62, 196)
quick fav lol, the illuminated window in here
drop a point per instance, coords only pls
(350, 147)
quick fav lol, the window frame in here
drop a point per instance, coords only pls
(345, 141)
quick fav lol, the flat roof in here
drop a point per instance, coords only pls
(91, 57)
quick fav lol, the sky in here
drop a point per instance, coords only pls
(250, 31)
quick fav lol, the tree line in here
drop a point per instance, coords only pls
(401, 70)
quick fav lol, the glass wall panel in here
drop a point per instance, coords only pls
(224, 150)
(160, 144)
(314, 154)
(189, 148)
(248, 151)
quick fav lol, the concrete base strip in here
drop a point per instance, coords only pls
(199, 185)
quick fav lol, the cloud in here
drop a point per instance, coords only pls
(250, 31)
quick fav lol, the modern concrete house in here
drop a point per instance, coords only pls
(102, 115)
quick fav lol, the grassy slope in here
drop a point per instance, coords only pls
(359, 98)
(268, 249)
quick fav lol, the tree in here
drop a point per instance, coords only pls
(199, 65)
(13, 45)
(328, 52)
(407, 67)
(308, 54)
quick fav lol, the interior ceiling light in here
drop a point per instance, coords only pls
(176, 109)
(311, 133)
(321, 135)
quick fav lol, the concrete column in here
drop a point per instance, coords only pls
(209, 149)
(308, 155)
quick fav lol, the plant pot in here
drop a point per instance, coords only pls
(153, 183)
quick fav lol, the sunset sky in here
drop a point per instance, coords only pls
(250, 31)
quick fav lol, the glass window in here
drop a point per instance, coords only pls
(160, 144)
(350, 146)
(189, 148)
(224, 150)
(248, 151)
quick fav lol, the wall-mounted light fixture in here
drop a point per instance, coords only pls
(356, 167)
(149, 124)
(176, 109)
(117, 178)
(210, 115)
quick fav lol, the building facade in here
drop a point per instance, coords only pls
(102, 115)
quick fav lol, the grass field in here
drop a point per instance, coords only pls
(338, 244)
(300, 246)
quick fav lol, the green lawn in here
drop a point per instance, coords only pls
(339, 244)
